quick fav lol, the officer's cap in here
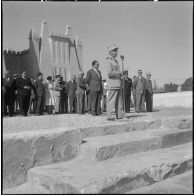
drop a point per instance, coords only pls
(81, 72)
(58, 76)
(15, 75)
(112, 47)
(125, 71)
(40, 73)
(148, 74)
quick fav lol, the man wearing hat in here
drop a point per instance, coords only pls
(113, 74)
(80, 92)
(127, 91)
(149, 93)
(40, 90)
(133, 91)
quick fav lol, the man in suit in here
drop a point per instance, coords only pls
(133, 91)
(71, 89)
(24, 86)
(140, 85)
(63, 96)
(40, 90)
(94, 80)
(127, 91)
(80, 92)
(113, 74)
(8, 94)
(149, 93)
(57, 88)
(32, 98)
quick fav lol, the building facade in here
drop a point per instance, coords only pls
(49, 53)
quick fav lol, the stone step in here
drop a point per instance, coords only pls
(117, 175)
(111, 146)
(180, 184)
(27, 149)
(25, 188)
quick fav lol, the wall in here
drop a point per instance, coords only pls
(13, 61)
(174, 99)
(26, 63)
(49, 53)
(16, 61)
(34, 48)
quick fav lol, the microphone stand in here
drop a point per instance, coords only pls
(123, 84)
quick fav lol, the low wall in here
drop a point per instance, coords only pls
(173, 99)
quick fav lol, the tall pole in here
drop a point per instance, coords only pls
(123, 83)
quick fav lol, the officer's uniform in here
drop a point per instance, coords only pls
(149, 94)
(114, 98)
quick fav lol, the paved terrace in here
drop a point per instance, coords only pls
(74, 121)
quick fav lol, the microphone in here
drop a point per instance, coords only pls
(122, 57)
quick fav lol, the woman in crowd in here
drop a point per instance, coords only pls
(50, 99)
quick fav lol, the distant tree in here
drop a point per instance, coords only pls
(170, 87)
(187, 85)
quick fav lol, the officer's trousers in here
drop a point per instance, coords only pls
(149, 99)
(114, 104)
(127, 103)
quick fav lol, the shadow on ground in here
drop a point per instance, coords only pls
(134, 116)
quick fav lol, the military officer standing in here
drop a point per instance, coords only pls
(127, 91)
(113, 74)
(149, 93)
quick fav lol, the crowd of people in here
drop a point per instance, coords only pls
(90, 94)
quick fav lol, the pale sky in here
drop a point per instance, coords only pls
(154, 37)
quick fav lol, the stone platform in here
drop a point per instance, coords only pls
(61, 150)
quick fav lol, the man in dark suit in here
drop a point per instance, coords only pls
(80, 92)
(140, 85)
(71, 89)
(94, 80)
(127, 90)
(40, 90)
(63, 96)
(16, 103)
(32, 98)
(149, 93)
(8, 94)
(24, 86)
